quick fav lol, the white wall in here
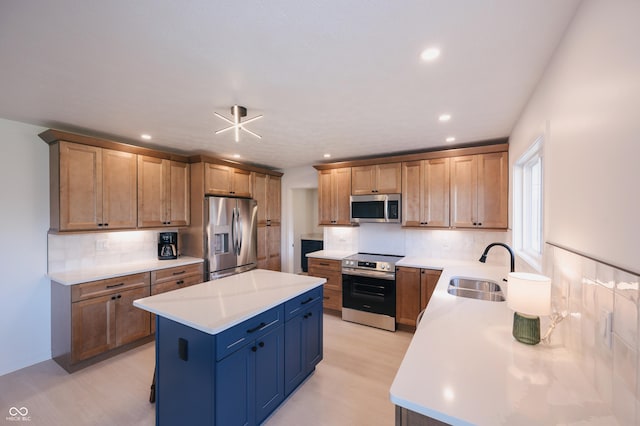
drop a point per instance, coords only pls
(588, 105)
(25, 323)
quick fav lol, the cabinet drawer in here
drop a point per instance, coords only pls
(108, 286)
(178, 272)
(176, 283)
(332, 299)
(324, 265)
(294, 306)
(239, 335)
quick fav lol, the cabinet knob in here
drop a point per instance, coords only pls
(261, 344)
(253, 349)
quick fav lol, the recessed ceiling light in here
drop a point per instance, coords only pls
(450, 139)
(430, 54)
(327, 156)
(236, 155)
(445, 117)
(145, 136)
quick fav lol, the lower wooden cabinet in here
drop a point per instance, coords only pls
(332, 271)
(414, 287)
(93, 318)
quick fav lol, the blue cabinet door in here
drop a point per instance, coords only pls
(313, 337)
(295, 363)
(269, 373)
(235, 391)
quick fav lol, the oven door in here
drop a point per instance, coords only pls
(369, 294)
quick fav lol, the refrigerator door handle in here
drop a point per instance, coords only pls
(233, 231)
(239, 224)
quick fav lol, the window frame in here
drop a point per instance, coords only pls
(529, 243)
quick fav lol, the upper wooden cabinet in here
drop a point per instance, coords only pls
(479, 191)
(425, 193)
(376, 179)
(92, 188)
(225, 180)
(334, 190)
(163, 192)
(267, 193)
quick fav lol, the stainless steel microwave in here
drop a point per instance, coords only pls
(383, 208)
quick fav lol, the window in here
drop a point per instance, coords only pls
(528, 209)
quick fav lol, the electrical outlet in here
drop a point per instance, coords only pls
(102, 245)
(606, 327)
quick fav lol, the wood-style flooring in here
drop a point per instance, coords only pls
(349, 387)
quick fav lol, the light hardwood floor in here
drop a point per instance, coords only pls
(349, 387)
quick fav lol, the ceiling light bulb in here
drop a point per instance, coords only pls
(145, 136)
(430, 54)
(327, 156)
(236, 155)
(451, 139)
(445, 117)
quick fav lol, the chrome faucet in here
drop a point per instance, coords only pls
(483, 258)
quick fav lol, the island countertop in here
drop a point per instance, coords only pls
(463, 366)
(215, 306)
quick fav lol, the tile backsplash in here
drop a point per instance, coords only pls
(588, 290)
(75, 251)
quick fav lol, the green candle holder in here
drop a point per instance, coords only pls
(526, 329)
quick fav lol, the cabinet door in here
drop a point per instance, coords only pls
(235, 396)
(261, 197)
(313, 336)
(274, 199)
(435, 196)
(269, 373)
(80, 187)
(294, 359)
(178, 194)
(93, 327)
(217, 179)
(263, 247)
(493, 191)
(388, 178)
(407, 295)
(152, 191)
(131, 323)
(241, 183)
(119, 189)
(273, 241)
(363, 180)
(342, 183)
(325, 197)
(464, 193)
(428, 280)
(412, 190)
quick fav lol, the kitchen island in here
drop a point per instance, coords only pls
(463, 367)
(229, 351)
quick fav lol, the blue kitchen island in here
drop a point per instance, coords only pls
(230, 351)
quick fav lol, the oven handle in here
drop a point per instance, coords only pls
(362, 289)
(389, 276)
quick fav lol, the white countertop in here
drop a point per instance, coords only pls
(464, 367)
(215, 306)
(104, 272)
(330, 254)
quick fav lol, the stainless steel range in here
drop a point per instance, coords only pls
(369, 290)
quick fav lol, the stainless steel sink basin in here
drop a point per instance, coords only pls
(475, 289)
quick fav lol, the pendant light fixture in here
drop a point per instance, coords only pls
(238, 112)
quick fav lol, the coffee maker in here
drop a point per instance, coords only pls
(167, 245)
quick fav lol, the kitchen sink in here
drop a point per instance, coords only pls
(475, 289)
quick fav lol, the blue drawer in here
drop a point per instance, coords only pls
(239, 335)
(297, 304)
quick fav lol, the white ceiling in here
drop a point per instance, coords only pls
(335, 76)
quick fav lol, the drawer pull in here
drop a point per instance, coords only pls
(180, 282)
(115, 285)
(326, 297)
(324, 264)
(307, 301)
(256, 328)
(179, 273)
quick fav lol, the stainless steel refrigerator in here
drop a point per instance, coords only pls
(231, 235)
